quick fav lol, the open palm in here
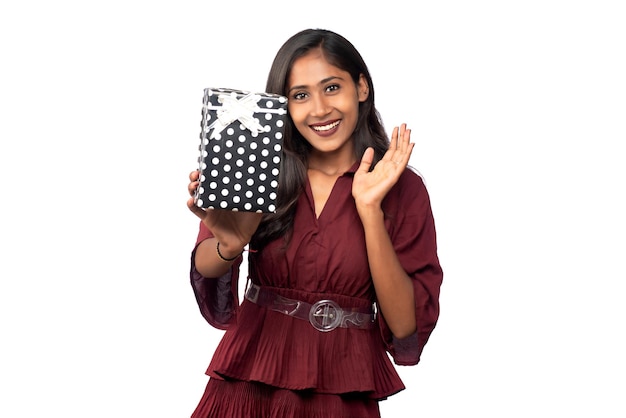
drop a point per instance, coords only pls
(369, 188)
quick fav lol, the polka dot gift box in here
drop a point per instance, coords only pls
(240, 150)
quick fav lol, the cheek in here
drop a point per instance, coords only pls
(296, 113)
(347, 104)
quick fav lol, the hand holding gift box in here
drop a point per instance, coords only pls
(240, 150)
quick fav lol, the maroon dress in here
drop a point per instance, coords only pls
(269, 364)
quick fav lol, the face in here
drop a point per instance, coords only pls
(324, 102)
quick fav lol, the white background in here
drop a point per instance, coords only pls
(518, 113)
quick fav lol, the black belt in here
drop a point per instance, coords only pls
(324, 315)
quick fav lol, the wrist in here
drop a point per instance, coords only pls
(370, 212)
(227, 254)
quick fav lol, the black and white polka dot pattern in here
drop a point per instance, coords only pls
(239, 167)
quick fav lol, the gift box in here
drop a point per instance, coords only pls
(240, 149)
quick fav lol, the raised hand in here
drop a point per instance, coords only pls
(369, 188)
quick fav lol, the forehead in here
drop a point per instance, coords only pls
(311, 68)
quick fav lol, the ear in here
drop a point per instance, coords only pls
(363, 88)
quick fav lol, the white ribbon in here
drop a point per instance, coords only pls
(242, 110)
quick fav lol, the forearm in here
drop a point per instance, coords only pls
(208, 262)
(393, 286)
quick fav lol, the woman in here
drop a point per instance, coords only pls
(344, 273)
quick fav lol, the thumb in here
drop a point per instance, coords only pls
(366, 160)
(198, 211)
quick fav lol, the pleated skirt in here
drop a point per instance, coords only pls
(237, 399)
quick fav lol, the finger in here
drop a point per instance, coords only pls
(194, 175)
(366, 160)
(403, 156)
(393, 144)
(394, 152)
(191, 204)
(405, 134)
(406, 139)
(408, 153)
(192, 187)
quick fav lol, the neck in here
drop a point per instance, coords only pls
(331, 167)
(331, 163)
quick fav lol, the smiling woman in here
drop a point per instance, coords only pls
(344, 276)
(324, 107)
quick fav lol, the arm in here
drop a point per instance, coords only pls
(208, 263)
(394, 289)
(232, 229)
(217, 296)
(410, 222)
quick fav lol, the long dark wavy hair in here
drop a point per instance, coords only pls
(369, 131)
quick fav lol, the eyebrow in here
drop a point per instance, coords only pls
(323, 81)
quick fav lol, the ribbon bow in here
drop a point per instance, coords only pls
(242, 110)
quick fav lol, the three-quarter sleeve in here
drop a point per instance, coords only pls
(217, 297)
(411, 226)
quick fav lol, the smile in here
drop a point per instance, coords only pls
(324, 128)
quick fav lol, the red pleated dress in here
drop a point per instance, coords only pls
(269, 364)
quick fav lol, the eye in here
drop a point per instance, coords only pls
(299, 95)
(332, 87)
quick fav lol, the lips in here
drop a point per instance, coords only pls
(326, 128)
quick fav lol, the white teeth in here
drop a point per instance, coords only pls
(325, 127)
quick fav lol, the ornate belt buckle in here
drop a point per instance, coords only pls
(325, 315)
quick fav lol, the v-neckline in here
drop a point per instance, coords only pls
(315, 201)
(331, 192)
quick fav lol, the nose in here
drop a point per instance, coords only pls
(320, 106)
